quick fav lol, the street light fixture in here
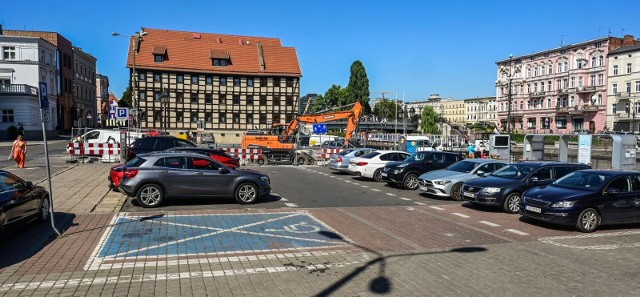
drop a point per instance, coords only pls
(164, 98)
(137, 38)
(508, 74)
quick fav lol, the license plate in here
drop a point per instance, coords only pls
(533, 209)
(423, 188)
(470, 195)
(384, 174)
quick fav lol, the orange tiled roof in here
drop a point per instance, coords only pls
(189, 51)
(113, 97)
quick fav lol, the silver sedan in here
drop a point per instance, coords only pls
(340, 161)
(448, 182)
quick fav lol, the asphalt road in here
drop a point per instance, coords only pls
(35, 169)
(308, 187)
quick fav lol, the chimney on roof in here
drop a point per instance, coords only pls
(240, 42)
(219, 40)
(261, 56)
(196, 35)
(627, 40)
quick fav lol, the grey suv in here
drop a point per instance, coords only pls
(151, 178)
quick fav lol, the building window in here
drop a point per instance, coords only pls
(236, 99)
(289, 100)
(236, 81)
(637, 85)
(276, 100)
(543, 70)
(559, 67)
(142, 76)
(580, 64)
(276, 118)
(194, 117)
(561, 122)
(208, 117)
(180, 97)
(628, 68)
(179, 116)
(289, 82)
(208, 79)
(219, 62)
(528, 72)
(548, 103)
(250, 82)
(615, 69)
(236, 118)
(276, 82)
(9, 53)
(157, 116)
(628, 89)
(7, 116)
(180, 78)
(592, 80)
(194, 97)
(263, 118)
(223, 99)
(579, 81)
(263, 100)
(158, 58)
(208, 98)
(249, 100)
(249, 119)
(600, 79)
(614, 88)
(535, 71)
(194, 79)
(156, 95)
(614, 108)
(600, 99)
(142, 95)
(222, 118)
(223, 81)
(263, 81)
(573, 82)
(157, 77)
(601, 61)
(593, 61)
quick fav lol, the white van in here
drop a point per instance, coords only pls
(107, 136)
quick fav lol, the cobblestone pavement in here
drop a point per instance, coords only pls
(401, 250)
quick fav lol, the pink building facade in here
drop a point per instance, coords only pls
(562, 90)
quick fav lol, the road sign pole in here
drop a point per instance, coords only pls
(44, 106)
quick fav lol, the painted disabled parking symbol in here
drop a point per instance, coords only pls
(135, 237)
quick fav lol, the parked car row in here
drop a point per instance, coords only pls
(561, 193)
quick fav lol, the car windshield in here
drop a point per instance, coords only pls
(135, 162)
(463, 166)
(582, 180)
(515, 171)
(370, 155)
(416, 157)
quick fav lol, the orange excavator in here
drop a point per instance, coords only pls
(282, 143)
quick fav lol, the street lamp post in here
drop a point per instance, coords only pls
(137, 39)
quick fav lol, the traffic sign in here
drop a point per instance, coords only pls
(44, 100)
(122, 113)
(319, 128)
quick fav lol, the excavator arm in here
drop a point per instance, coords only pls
(352, 116)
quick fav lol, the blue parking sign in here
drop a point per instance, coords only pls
(44, 100)
(122, 113)
(320, 128)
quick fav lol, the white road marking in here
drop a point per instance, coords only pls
(404, 198)
(375, 190)
(460, 215)
(489, 224)
(291, 204)
(357, 184)
(348, 181)
(284, 199)
(390, 194)
(517, 232)
(436, 207)
(553, 240)
(365, 186)
(449, 234)
(420, 203)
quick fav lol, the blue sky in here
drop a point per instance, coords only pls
(412, 47)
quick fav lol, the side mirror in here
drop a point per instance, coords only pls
(533, 179)
(223, 170)
(29, 185)
(480, 173)
(611, 191)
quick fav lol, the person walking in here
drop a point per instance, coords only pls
(19, 151)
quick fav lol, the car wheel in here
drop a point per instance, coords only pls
(512, 203)
(410, 181)
(301, 160)
(150, 195)
(247, 193)
(456, 192)
(262, 160)
(377, 175)
(43, 214)
(588, 221)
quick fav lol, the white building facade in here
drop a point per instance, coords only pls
(624, 89)
(481, 110)
(24, 63)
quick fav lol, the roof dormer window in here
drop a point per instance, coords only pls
(219, 58)
(159, 53)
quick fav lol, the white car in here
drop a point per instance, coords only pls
(371, 164)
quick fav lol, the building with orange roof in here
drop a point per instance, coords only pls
(232, 83)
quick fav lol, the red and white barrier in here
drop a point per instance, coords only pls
(248, 154)
(86, 148)
(326, 153)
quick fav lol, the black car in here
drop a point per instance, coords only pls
(586, 199)
(406, 173)
(504, 187)
(155, 144)
(153, 177)
(21, 202)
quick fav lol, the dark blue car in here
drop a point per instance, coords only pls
(586, 199)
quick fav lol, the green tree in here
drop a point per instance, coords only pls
(125, 100)
(358, 87)
(429, 121)
(334, 97)
(386, 109)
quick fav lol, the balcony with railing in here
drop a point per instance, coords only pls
(589, 89)
(537, 94)
(18, 90)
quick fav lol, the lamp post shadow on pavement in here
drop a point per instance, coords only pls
(381, 284)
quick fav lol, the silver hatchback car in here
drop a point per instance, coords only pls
(448, 182)
(340, 161)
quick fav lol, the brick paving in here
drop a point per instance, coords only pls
(449, 250)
